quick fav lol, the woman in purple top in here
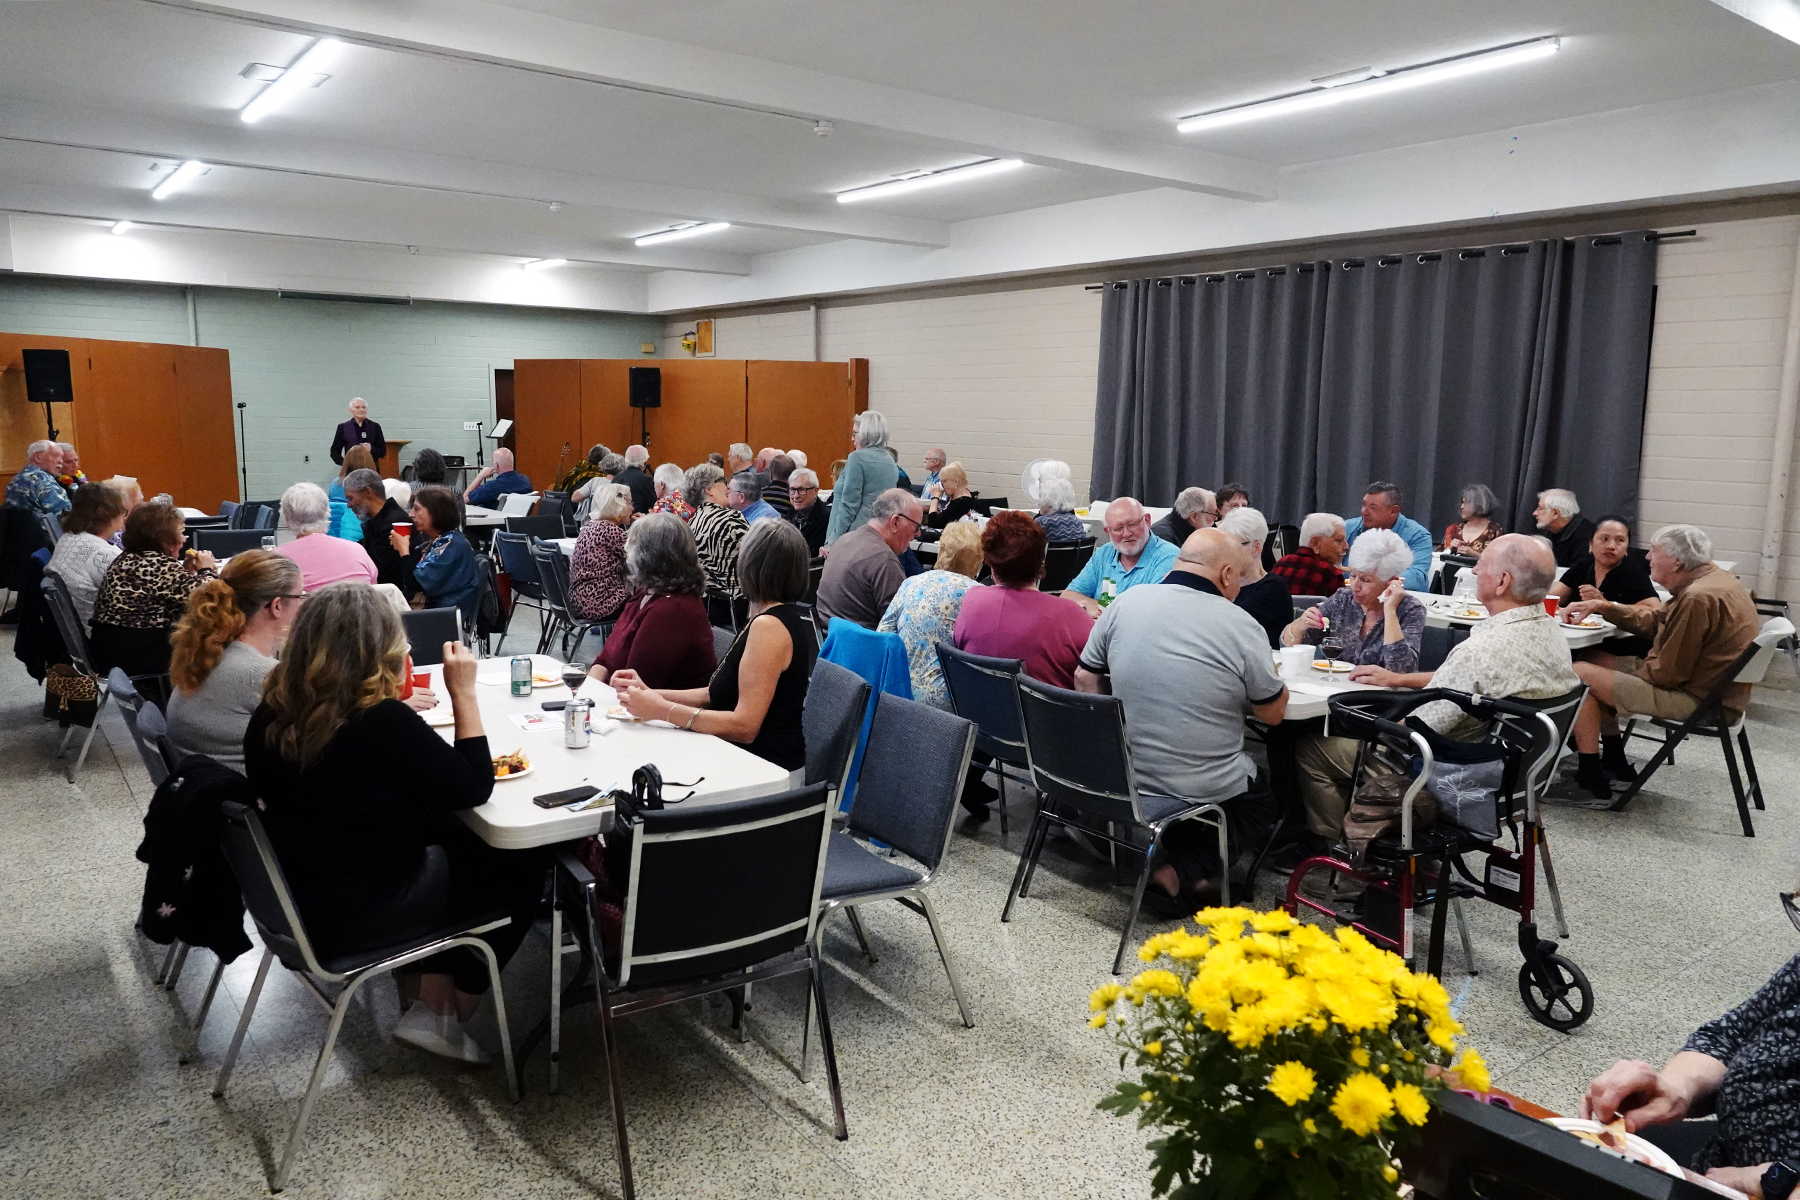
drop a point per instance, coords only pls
(1372, 617)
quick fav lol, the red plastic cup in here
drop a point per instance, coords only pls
(403, 528)
(406, 678)
(421, 681)
(1550, 603)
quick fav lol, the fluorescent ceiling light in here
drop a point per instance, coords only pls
(178, 179)
(538, 264)
(120, 227)
(915, 183)
(684, 231)
(301, 75)
(1394, 81)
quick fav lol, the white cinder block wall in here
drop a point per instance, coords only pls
(1001, 378)
(424, 368)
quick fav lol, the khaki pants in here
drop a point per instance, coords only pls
(1324, 765)
(1633, 695)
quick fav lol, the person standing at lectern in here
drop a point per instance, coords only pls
(358, 431)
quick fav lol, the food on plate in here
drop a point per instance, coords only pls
(510, 764)
(1612, 1139)
(1591, 621)
(540, 679)
(1336, 668)
(1472, 613)
(619, 712)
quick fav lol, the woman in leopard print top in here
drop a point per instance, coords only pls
(144, 593)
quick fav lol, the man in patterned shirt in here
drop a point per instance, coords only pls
(1313, 569)
(35, 486)
(70, 474)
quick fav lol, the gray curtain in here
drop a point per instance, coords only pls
(1212, 378)
(1521, 367)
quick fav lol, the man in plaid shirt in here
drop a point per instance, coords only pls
(1312, 569)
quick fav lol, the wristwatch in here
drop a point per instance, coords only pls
(1778, 1181)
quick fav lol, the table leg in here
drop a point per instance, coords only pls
(1284, 784)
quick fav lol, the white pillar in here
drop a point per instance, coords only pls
(1781, 453)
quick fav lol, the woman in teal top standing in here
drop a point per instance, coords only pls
(869, 471)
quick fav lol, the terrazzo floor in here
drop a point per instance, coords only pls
(1674, 917)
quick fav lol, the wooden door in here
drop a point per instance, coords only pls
(135, 426)
(702, 409)
(208, 427)
(503, 405)
(607, 417)
(547, 399)
(803, 406)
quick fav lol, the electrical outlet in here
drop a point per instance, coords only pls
(471, 426)
(306, 458)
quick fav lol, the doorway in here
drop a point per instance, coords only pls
(503, 403)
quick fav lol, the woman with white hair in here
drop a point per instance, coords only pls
(599, 583)
(322, 560)
(670, 480)
(1056, 503)
(1372, 617)
(1262, 595)
(869, 471)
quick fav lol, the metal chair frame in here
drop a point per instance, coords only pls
(1210, 812)
(312, 974)
(1004, 752)
(75, 643)
(526, 591)
(553, 577)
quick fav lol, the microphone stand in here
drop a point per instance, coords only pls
(478, 459)
(243, 464)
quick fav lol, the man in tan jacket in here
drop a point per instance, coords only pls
(1698, 636)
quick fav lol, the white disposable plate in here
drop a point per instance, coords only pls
(1335, 668)
(1650, 1154)
(439, 717)
(515, 775)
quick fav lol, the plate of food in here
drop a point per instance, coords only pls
(1467, 613)
(511, 766)
(1335, 668)
(1612, 1139)
(1591, 621)
(440, 717)
(619, 712)
(541, 680)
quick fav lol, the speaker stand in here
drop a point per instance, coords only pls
(243, 460)
(644, 428)
(50, 420)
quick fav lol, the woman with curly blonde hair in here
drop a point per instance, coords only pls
(222, 650)
(359, 797)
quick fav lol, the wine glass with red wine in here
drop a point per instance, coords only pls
(573, 674)
(1333, 649)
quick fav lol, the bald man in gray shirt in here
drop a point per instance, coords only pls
(1189, 666)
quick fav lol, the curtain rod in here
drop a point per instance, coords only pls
(1654, 235)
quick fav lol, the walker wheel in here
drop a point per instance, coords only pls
(1556, 993)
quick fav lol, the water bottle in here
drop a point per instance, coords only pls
(521, 675)
(1109, 591)
(268, 542)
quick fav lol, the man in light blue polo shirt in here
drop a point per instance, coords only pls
(1381, 510)
(1131, 555)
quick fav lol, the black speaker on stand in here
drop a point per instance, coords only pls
(47, 382)
(646, 393)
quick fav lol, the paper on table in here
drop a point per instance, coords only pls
(536, 722)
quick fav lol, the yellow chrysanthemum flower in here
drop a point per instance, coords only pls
(1310, 1125)
(1411, 1104)
(1153, 1049)
(1146, 1097)
(1388, 1173)
(1277, 920)
(1097, 1021)
(1361, 1103)
(1104, 995)
(1472, 1070)
(1155, 983)
(1292, 1082)
(1360, 1057)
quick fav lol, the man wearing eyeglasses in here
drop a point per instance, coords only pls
(863, 570)
(1194, 509)
(810, 514)
(1131, 555)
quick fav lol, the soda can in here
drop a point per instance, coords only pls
(575, 723)
(521, 675)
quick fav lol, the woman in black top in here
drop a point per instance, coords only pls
(1610, 572)
(1263, 594)
(758, 693)
(359, 796)
(956, 501)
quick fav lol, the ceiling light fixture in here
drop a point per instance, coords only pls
(120, 227)
(178, 179)
(539, 264)
(1393, 81)
(915, 183)
(304, 73)
(682, 231)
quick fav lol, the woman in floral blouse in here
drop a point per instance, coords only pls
(598, 580)
(1477, 528)
(923, 612)
(144, 593)
(669, 480)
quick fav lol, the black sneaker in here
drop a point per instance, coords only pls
(1619, 769)
(1585, 791)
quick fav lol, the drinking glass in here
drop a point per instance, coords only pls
(572, 675)
(1333, 648)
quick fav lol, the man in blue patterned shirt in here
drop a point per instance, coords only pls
(35, 486)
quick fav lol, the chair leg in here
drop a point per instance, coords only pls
(556, 923)
(506, 1047)
(861, 936)
(813, 950)
(1137, 901)
(1025, 853)
(937, 935)
(212, 989)
(1224, 862)
(338, 1012)
(1556, 904)
(1462, 925)
(1737, 782)
(1000, 770)
(168, 961)
(62, 747)
(1036, 853)
(88, 741)
(831, 1070)
(237, 1039)
(1666, 753)
(175, 974)
(1756, 792)
(609, 1045)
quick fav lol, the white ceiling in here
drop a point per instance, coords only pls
(451, 125)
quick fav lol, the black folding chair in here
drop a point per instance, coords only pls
(267, 517)
(718, 897)
(1708, 720)
(837, 698)
(1080, 761)
(1435, 644)
(726, 612)
(814, 572)
(284, 936)
(137, 713)
(906, 798)
(553, 577)
(223, 543)
(75, 643)
(427, 629)
(1063, 562)
(514, 551)
(986, 691)
(536, 527)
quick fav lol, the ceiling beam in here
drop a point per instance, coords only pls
(479, 31)
(1777, 16)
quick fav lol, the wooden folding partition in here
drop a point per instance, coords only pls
(158, 412)
(707, 404)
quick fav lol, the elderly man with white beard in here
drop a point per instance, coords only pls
(1131, 555)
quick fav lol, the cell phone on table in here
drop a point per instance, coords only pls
(554, 705)
(574, 795)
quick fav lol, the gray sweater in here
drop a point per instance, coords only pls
(211, 721)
